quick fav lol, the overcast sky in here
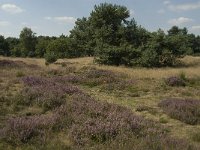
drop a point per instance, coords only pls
(56, 17)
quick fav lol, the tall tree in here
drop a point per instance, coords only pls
(175, 30)
(106, 20)
(28, 42)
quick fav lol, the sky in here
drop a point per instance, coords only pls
(56, 17)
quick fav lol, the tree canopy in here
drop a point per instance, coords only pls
(109, 35)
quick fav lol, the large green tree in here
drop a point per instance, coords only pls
(106, 20)
(178, 41)
(27, 42)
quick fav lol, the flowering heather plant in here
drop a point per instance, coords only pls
(175, 81)
(22, 129)
(45, 92)
(94, 77)
(163, 141)
(185, 110)
(96, 122)
(100, 122)
(34, 81)
(51, 84)
(90, 77)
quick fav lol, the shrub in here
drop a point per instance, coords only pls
(150, 58)
(185, 110)
(142, 108)
(152, 54)
(50, 58)
(163, 120)
(20, 74)
(182, 76)
(118, 55)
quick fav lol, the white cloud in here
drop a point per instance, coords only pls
(63, 19)
(166, 2)
(4, 23)
(185, 7)
(11, 8)
(180, 21)
(195, 28)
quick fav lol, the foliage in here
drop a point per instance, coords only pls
(112, 55)
(4, 47)
(22, 129)
(41, 47)
(12, 42)
(50, 57)
(28, 42)
(82, 34)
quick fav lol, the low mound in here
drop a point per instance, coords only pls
(185, 110)
(15, 64)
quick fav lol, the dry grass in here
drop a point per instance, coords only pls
(190, 70)
(191, 67)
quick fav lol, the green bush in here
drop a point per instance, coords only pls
(127, 55)
(118, 55)
(50, 58)
(149, 58)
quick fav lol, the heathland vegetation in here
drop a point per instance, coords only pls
(76, 104)
(132, 89)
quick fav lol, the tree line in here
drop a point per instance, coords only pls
(110, 36)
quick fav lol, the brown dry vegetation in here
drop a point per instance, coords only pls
(102, 90)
